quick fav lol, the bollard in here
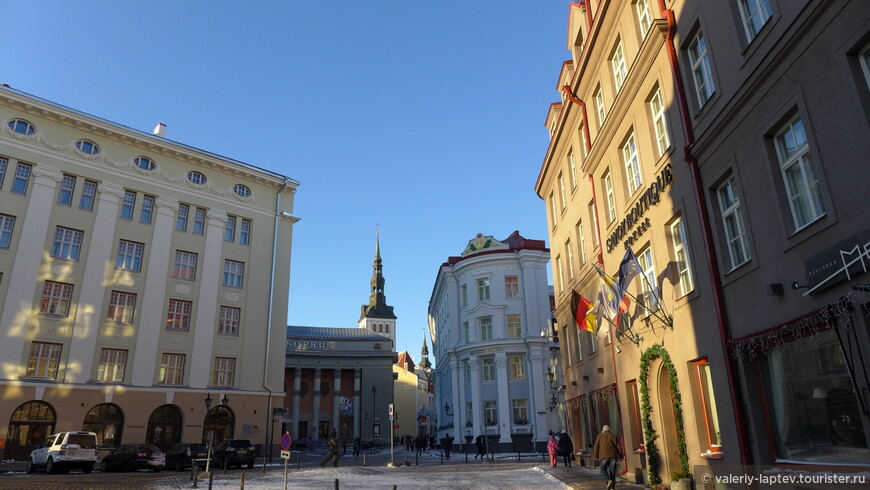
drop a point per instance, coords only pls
(298, 461)
(518, 456)
(417, 459)
(364, 459)
(336, 484)
(195, 471)
(442, 457)
(466, 456)
(210, 479)
(242, 482)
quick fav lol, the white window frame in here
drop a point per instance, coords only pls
(581, 242)
(553, 214)
(122, 307)
(583, 151)
(517, 368)
(129, 256)
(245, 232)
(199, 221)
(660, 125)
(680, 240)
(515, 326)
(520, 410)
(804, 192)
(21, 179)
(594, 217)
(600, 110)
(617, 64)
(178, 314)
(224, 371)
(234, 274)
(113, 363)
(485, 328)
(648, 280)
(56, 298)
(611, 199)
(185, 265)
(572, 165)
(7, 226)
(67, 243)
(511, 287)
(43, 360)
(644, 19)
(65, 192)
(89, 194)
(559, 275)
(181, 219)
(466, 332)
(632, 164)
(569, 256)
(483, 289)
(755, 13)
(127, 205)
(562, 198)
(487, 370)
(230, 229)
(463, 295)
(490, 413)
(146, 213)
(702, 69)
(172, 369)
(732, 222)
(229, 320)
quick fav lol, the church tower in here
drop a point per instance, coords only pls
(424, 355)
(377, 316)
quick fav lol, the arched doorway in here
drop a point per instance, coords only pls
(107, 420)
(31, 422)
(668, 421)
(164, 427)
(220, 421)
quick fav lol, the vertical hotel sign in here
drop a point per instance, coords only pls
(843, 261)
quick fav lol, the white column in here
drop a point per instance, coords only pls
(505, 410)
(206, 307)
(152, 318)
(297, 393)
(476, 402)
(458, 399)
(357, 393)
(90, 303)
(24, 277)
(315, 390)
(537, 392)
(336, 406)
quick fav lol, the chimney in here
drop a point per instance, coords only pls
(160, 130)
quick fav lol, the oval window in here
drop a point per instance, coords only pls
(145, 163)
(87, 147)
(21, 126)
(242, 190)
(196, 177)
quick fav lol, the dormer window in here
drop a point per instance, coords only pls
(21, 126)
(87, 147)
(196, 177)
(145, 163)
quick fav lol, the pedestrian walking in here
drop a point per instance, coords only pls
(566, 448)
(553, 449)
(419, 444)
(606, 449)
(331, 451)
(481, 447)
(356, 446)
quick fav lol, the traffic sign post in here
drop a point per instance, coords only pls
(286, 442)
(392, 436)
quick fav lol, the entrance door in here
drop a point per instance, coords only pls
(323, 429)
(31, 422)
(303, 430)
(164, 427)
(669, 422)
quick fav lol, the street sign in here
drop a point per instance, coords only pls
(286, 441)
(280, 411)
(396, 426)
(285, 454)
(391, 411)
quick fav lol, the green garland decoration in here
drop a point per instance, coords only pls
(656, 351)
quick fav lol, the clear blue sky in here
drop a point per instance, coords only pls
(424, 117)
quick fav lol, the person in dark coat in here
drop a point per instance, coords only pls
(448, 445)
(356, 446)
(481, 447)
(331, 450)
(566, 448)
(419, 444)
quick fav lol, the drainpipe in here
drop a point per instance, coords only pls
(712, 263)
(266, 384)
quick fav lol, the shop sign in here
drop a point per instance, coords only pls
(842, 261)
(633, 226)
(310, 345)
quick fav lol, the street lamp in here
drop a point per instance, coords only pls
(225, 400)
(208, 401)
(374, 394)
(210, 435)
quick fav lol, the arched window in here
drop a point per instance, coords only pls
(220, 422)
(196, 177)
(107, 421)
(30, 423)
(242, 190)
(164, 427)
(21, 126)
(387, 328)
(87, 147)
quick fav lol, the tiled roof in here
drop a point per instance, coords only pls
(332, 333)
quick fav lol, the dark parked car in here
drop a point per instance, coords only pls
(181, 456)
(236, 452)
(132, 457)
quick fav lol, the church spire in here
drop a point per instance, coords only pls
(377, 306)
(424, 355)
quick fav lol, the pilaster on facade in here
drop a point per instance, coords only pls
(203, 332)
(97, 271)
(25, 273)
(505, 415)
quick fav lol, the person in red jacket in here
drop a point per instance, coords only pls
(552, 448)
(606, 449)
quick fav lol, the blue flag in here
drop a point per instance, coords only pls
(628, 269)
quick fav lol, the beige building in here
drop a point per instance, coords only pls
(721, 142)
(127, 299)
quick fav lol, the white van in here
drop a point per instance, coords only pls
(65, 451)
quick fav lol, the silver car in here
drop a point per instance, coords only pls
(65, 451)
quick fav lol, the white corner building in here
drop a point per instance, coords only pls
(488, 320)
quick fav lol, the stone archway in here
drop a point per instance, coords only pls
(107, 421)
(219, 423)
(29, 425)
(668, 373)
(164, 427)
(668, 422)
